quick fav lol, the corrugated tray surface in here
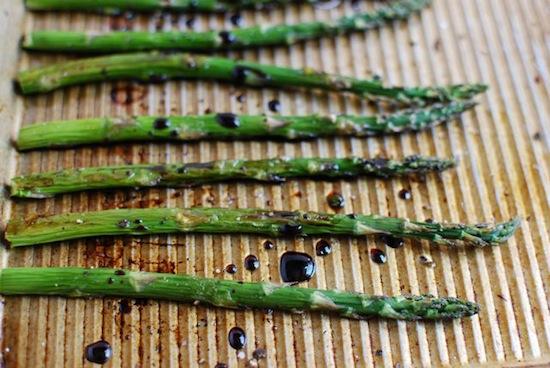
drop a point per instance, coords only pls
(503, 147)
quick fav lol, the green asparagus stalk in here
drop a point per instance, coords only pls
(284, 34)
(228, 126)
(277, 170)
(159, 67)
(100, 282)
(117, 6)
(146, 221)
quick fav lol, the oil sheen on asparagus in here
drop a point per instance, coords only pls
(37, 230)
(230, 126)
(178, 175)
(257, 36)
(160, 67)
(99, 282)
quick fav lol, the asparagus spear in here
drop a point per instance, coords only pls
(116, 6)
(99, 282)
(271, 170)
(284, 34)
(159, 67)
(47, 229)
(229, 126)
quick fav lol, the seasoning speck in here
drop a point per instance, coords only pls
(426, 261)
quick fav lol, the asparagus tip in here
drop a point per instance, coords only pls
(496, 234)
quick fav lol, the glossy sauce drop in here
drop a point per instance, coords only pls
(237, 338)
(268, 245)
(405, 194)
(228, 120)
(231, 269)
(251, 263)
(296, 267)
(99, 352)
(161, 123)
(236, 19)
(323, 248)
(274, 105)
(392, 241)
(335, 200)
(378, 256)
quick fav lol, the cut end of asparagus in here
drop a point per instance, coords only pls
(467, 91)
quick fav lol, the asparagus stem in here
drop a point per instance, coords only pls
(159, 67)
(116, 6)
(99, 282)
(271, 170)
(284, 34)
(46, 229)
(190, 128)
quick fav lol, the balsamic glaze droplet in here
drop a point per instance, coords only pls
(123, 224)
(231, 268)
(335, 200)
(268, 244)
(228, 120)
(323, 248)
(290, 229)
(161, 123)
(378, 256)
(296, 267)
(392, 241)
(99, 352)
(190, 22)
(405, 194)
(227, 37)
(236, 19)
(120, 273)
(251, 263)
(237, 338)
(220, 365)
(241, 98)
(274, 105)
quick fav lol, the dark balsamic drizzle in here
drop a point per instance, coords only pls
(323, 248)
(251, 263)
(392, 241)
(290, 229)
(231, 269)
(336, 200)
(236, 19)
(237, 338)
(228, 120)
(228, 38)
(405, 194)
(161, 123)
(378, 256)
(99, 352)
(274, 105)
(268, 244)
(123, 224)
(296, 267)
